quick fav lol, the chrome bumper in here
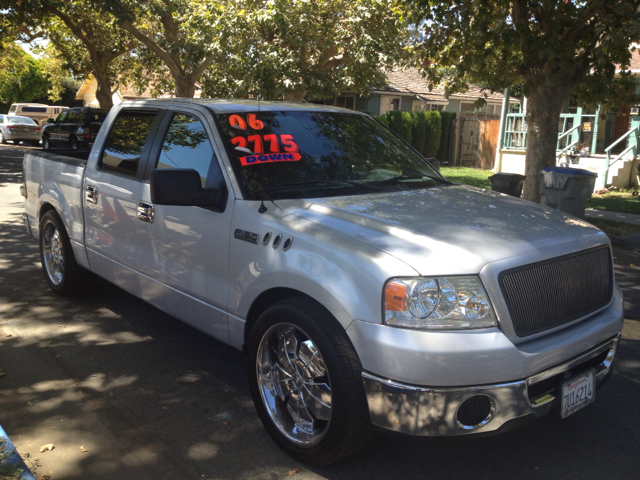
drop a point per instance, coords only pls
(430, 411)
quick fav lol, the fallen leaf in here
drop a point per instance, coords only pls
(63, 420)
(44, 477)
(293, 471)
(48, 446)
(225, 423)
(631, 265)
(82, 449)
(16, 289)
(57, 357)
(30, 404)
(9, 336)
(2, 374)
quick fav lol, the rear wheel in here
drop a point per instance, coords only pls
(63, 274)
(306, 383)
(73, 143)
(46, 145)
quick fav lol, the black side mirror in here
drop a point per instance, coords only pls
(181, 186)
(50, 120)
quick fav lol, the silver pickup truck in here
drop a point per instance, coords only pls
(365, 288)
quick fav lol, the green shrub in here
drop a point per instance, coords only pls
(382, 119)
(401, 123)
(419, 130)
(443, 151)
(433, 134)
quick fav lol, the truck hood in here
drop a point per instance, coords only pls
(449, 229)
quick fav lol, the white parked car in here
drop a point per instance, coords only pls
(19, 129)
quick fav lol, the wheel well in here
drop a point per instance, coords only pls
(264, 301)
(44, 209)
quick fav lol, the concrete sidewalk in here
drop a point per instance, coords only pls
(615, 216)
(631, 241)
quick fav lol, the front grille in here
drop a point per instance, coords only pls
(545, 295)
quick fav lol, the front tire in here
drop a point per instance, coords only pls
(46, 143)
(63, 274)
(306, 383)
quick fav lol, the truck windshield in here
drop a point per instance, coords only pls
(307, 154)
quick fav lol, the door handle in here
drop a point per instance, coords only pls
(92, 194)
(145, 212)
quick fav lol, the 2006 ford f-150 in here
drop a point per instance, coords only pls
(365, 288)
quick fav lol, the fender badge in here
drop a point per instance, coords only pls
(246, 236)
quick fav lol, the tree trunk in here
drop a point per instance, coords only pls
(185, 87)
(104, 95)
(543, 116)
(297, 96)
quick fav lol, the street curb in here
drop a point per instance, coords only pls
(15, 459)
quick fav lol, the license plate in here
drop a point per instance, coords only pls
(578, 392)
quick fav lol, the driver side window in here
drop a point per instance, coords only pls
(187, 145)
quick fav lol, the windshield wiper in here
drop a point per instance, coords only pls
(398, 178)
(319, 183)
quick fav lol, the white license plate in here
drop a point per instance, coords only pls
(578, 392)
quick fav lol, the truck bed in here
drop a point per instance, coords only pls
(56, 179)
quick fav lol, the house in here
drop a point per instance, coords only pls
(407, 90)
(611, 139)
(87, 93)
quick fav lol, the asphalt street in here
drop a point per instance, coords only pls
(124, 391)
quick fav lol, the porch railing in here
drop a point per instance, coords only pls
(570, 128)
(602, 179)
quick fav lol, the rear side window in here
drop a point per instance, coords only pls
(82, 116)
(34, 109)
(187, 145)
(126, 140)
(72, 116)
(61, 118)
(12, 109)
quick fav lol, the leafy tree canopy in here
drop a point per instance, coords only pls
(297, 47)
(21, 76)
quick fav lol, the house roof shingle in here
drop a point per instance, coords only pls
(410, 80)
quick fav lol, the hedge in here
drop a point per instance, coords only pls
(423, 130)
(433, 134)
(443, 151)
(419, 130)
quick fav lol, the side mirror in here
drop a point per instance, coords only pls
(50, 120)
(181, 186)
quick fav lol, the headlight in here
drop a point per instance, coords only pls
(438, 303)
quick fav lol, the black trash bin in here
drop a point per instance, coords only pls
(509, 183)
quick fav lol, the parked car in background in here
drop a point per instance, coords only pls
(74, 128)
(36, 111)
(19, 129)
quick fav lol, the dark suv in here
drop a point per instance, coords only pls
(73, 128)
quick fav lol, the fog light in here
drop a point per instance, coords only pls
(475, 412)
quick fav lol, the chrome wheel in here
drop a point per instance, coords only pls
(294, 384)
(53, 255)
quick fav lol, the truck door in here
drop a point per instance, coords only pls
(185, 249)
(112, 192)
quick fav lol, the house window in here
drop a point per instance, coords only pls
(346, 102)
(394, 103)
(435, 107)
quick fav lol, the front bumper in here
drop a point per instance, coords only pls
(437, 411)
